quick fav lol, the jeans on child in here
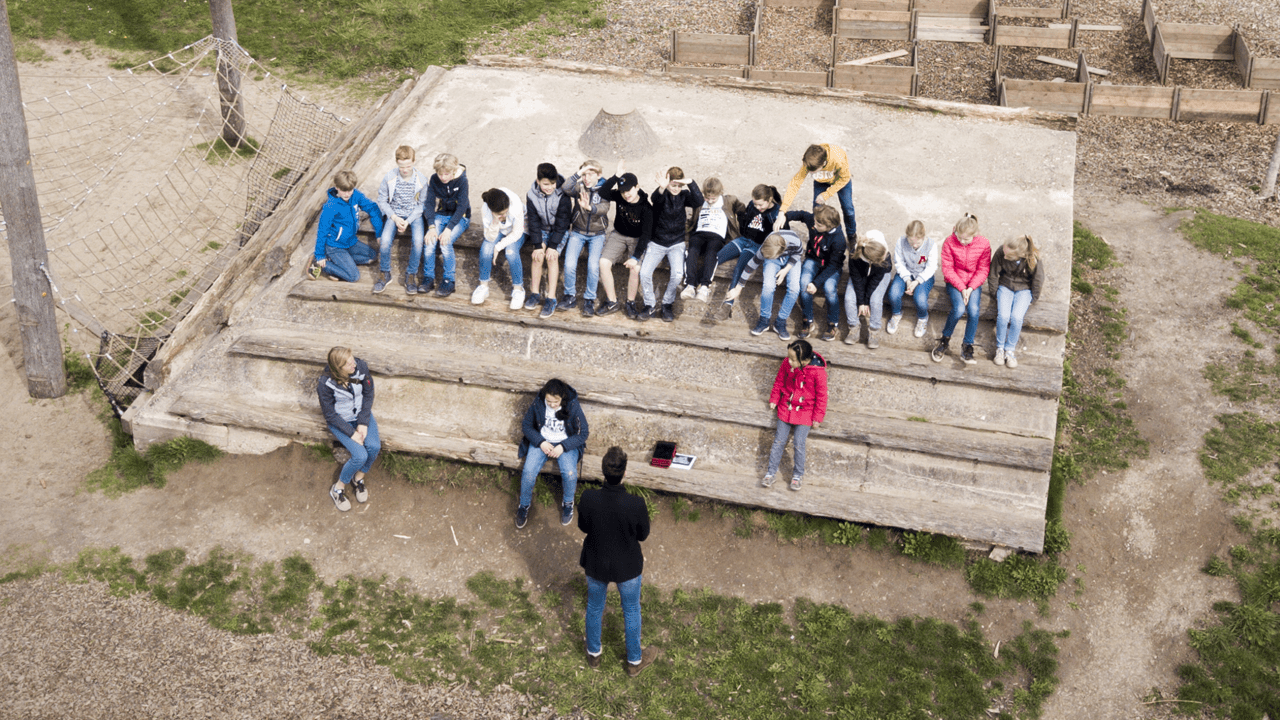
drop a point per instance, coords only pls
(876, 303)
(362, 455)
(845, 195)
(629, 590)
(958, 308)
(768, 284)
(572, 251)
(512, 252)
(389, 233)
(830, 290)
(653, 255)
(741, 248)
(343, 263)
(780, 435)
(1011, 309)
(898, 289)
(447, 254)
(533, 461)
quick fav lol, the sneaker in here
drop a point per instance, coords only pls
(566, 513)
(340, 497)
(382, 283)
(588, 308)
(331, 277)
(780, 327)
(704, 293)
(795, 482)
(829, 334)
(532, 301)
(522, 516)
(921, 325)
(446, 288)
(668, 312)
(480, 294)
(767, 481)
(362, 492)
(548, 308)
(966, 354)
(1010, 361)
(727, 308)
(689, 292)
(805, 327)
(941, 350)
(999, 359)
(428, 284)
(410, 284)
(643, 313)
(517, 297)
(630, 309)
(570, 302)
(892, 327)
(760, 326)
(851, 337)
(608, 307)
(593, 661)
(647, 656)
(873, 338)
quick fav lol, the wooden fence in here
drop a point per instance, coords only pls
(1186, 41)
(873, 24)
(887, 79)
(710, 48)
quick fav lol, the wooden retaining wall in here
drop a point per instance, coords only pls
(711, 48)
(1207, 42)
(873, 24)
(888, 79)
(1035, 37)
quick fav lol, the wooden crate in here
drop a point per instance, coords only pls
(1045, 95)
(1196, 104)
(790, 76)
(712, 48)
(710, 71)
(887, 79)
(1271, 108)
(1131, 101)
(1199, 42)
(873, 24)
(1034, 37)
(1059, 13)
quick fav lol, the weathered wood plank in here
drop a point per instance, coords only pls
(951, 35)
(1030, 12)
(1149, 19)
(712, 48)
(1011, 36)
(706, 71)
(790, 76)
(1266, 74)
(974, 8)
(1220, 105)
(1091, 28)
(877, 5)
(1069, 64)
(820, 4)
(875, 58)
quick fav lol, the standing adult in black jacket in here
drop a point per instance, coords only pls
(615, 523)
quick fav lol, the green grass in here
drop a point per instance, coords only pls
(218, 150)
(723, 657)
(29, 52)
(1088, 252)
(340, 40)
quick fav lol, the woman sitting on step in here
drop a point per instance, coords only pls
(346, 399)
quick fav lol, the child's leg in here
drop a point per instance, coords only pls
(447, 253)
(802, 434)
(539, 256)
(957, 310)
(416, 231)
(768, 280)
(652, 256)
(693, 263)
(793, 293)
(877, 302)
(851, 310)
(921, 296)
(341, 265)
(780, 435)
(1004, 306)
(359, 456)
(572, 252)
(553, 271)
(362, 254)
(897, 290)
(372, 446)
(529, 475)
(807, 272)
(633, 283)
(568, 462)
(972, 310)
(384, 244)
(845, 194)
(831, 291)
(1021, 303)
(429, 247)
(707, 273)
(512, 253)
(595, 246)
(486, 258)
(606, 279)
(675, 261)
(729, 252)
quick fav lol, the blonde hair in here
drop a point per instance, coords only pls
(344, 180)
(444, 164)
(593, 164)
(338, 356)
(967, 225)
(875, 253)
(773, 246)
(915, 229)
(404, 152)
(827, 215)
(1022, 247)
(712, 186)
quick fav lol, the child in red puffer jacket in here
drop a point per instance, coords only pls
(800, 397)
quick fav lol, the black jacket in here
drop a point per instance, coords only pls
(631, 219)
(827, 249)
(615, 522)
(448, 198)
(670, 217)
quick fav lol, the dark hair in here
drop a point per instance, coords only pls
(614, 465)
(547, 171)
(803, 351)
(496, 200)
(559, 388)
(766, 192)
(814, 158)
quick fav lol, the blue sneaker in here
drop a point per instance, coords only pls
(411, 283)
(381, 284)
(532, 301)
(760, 326)
(548, 308)
(428, 284)
(780, 327)
(566, 513)
(522, 516)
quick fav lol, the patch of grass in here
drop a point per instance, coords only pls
(323, 452)
(1088, 252)
(933, 549)
(1019, 577)
(1244, 442)
(683, 509)
(79, 371)
(1258, 294)
(128, 470)
(29, 52)
(218, 150)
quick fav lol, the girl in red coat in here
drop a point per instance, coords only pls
(800, 397)
(966, 261)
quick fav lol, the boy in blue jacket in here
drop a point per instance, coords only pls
(337, 252)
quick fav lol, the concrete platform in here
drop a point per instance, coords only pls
(945, 447)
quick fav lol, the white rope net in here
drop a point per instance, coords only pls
(147, 193)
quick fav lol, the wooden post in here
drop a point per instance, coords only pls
(1268, 186)
(32, 291)
(232, 102)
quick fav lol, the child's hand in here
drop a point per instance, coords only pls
(621, 168)
(663, 180)
(815, 425)
(733, 293)
(401, 224)
(446, 238)
(911, 286)
(780, 278)
(964, 294)
(556, 452)
(864, 311)
(321, 263)
(811, 289)
(773, 406)
(631, 263)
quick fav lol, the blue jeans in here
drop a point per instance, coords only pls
(830, 290)
(742, 248)
(958, 308)
(780, 436)
(875, 303)
(767, 287)
(653, 255)
(898, 289)
(343, 263)
(1011, 308)
(845, 195)
(446, 248)
(630, 592)
(389, 236)
(595, 245)
(512, 252)
(568, 462)
(362, 456)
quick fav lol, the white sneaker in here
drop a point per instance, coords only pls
(1010, 361)
(921, 326)
(892, 327)
(689, 292)
(517, 297)
(704, 293)
(1000, 357)
(480, 294)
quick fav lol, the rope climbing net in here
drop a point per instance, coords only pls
(151, 181)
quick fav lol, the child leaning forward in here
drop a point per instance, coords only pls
(966, 261)
(1016, 278)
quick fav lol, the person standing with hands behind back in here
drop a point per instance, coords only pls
(615, 523)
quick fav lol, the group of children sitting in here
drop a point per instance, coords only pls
(694, 229)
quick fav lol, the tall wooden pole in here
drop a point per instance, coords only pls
(32, 294)
(1269, 185)
(232, 102)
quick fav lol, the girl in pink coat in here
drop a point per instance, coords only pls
(966, 261)
(800, 397)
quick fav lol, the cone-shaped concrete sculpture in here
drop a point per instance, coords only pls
(617, 135)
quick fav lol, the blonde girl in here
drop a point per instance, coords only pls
(1015, 281)
(915, 263)
(346, 399)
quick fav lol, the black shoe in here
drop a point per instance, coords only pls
(829, 334)
(566, 513)
(446, 288)
(941, 350)
(427, 286)
(532, 302)
(570, 302)
(643, 312)
(410, 284)
(630, 309)
(966, 354)
(668, 312)
(588, 308)
(805, 327)
(608, 307)
(522, 516)
(780, 327)
(383, 280)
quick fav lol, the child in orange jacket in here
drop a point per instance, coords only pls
(800, 397)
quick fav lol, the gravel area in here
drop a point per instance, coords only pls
(85, 654)
(1221, 161)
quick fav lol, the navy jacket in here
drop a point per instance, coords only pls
(827, 249)
(615, 522)
(570, 411)
(449, 198)
(669, 216)
(347, 407)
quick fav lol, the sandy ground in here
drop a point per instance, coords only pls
(1140, 535)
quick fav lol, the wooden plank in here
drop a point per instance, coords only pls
(950, 23)
(1031, 12)
(875, 58)
(973, 8)
(1090, 28)
(1159, 55)
(1192, 55)
(952, 35)
(878, 5)
(1272, 110)
(1031, 379)
(1244, 63)
(873, 25)
(1149, 19)
(1069, 64)
(1266, 74)
(875, 32)
(1010, 36)
(712, 48)
(711, 72)
(1219, 105)
(820, 4)
(790, 76)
